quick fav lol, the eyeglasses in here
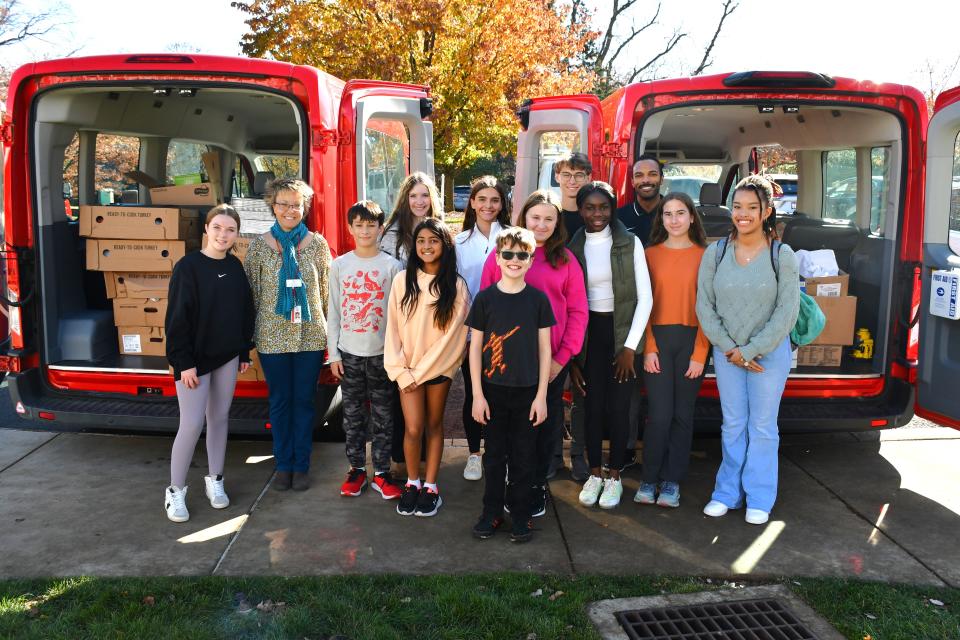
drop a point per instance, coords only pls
(283, 206)
(579, 176)
(522, 256)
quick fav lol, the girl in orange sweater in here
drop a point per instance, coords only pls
(424, 346)
(675, 350)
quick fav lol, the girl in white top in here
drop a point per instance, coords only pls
(418, 200)
(620, 298)
(487, 212)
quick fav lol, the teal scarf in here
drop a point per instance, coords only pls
(290, 297)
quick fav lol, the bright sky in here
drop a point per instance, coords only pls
(879, 40)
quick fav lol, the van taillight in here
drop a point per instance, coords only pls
(785, 79)
(46, 415)
(159, 59)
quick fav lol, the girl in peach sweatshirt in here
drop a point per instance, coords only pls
(424, 346)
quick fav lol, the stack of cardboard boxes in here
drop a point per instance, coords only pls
(840, 309)
(136, 248)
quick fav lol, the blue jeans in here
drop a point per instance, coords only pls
(292, 383)
(750, 436)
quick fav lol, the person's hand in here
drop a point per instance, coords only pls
(694, 371)
(538, 411)
(410, 388)
(651, 363)
(623, 364)
(555, 369)
(336, 368)
(736, 358)
(576, 379)
(189, 378)
(244, 366)
(480, 410)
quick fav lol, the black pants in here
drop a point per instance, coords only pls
(510, 438)
(550, 432)
(470, 426)
(671, 398)
(605, 395)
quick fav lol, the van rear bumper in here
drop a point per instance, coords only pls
(806, 415)
(99, 412)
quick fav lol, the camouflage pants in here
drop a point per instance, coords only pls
(365, 381)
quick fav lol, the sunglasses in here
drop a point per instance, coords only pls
(522, 256)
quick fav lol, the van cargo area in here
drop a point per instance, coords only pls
(139, 166)
(849, 189)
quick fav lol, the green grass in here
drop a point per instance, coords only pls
(372, 607)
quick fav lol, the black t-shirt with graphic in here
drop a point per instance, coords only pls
(510, 323)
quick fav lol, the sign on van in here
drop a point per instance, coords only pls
(133, 255)
(139, 223)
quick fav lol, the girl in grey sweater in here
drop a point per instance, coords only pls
(747, 308)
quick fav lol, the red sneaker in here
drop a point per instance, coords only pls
(386, 486)
(354, 484)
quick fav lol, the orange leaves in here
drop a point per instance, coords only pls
(481, 58)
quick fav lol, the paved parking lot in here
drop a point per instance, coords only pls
(880, 505)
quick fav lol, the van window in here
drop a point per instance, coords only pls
(185, 162)
(688, 178)
(280, 166)
(241, 179)
(554, 146)
(115, 156)
(955, 200)
(386, 160)
(840, 184)
(879, 188)
(71, 175)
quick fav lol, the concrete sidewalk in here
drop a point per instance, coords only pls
(880, 506)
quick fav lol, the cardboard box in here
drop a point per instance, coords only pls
(841, 315)
(819, 355)
(142, 341)
(133, 255)
(239, 249)
(137, 285)
(139, 312)
(828, 286)
(202, 195)
(141, 223)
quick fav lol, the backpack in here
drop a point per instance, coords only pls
(810, 319)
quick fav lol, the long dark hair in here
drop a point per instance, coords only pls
(402, 216)
(444, 285)
(658, 233)
(478, 185)
(764, 190)
(556, 245)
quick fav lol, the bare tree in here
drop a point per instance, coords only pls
(18, 24)
(939, 78)
(604, 52)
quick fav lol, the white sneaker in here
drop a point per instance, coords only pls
(175, 502)
(591, 491)
(757, 516)
(612, 490)
(474, 468)
(715, 509)
(215, 493)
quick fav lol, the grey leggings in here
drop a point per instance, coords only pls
(212, 399)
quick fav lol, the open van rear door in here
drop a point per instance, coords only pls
(939, 360)
(579, 117)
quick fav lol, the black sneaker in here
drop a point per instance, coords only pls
(428, 503)
(486, 527)
(522, 532)
(538, 501)
(408, 500)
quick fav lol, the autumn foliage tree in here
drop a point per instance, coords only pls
(481, 58)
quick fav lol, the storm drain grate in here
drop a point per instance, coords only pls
(765, 619)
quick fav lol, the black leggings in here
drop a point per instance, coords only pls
(470, 426)
(671, 398)
(606, 398)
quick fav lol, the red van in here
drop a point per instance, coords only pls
(876, 183)
(84, 131)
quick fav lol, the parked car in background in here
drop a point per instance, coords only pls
(460, 197)
(786, 202)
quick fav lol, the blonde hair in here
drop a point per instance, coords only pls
(296, 185)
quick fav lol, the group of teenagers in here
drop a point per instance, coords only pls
(573, 289)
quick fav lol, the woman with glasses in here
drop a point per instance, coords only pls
(288, 269)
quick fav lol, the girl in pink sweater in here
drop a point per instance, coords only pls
(557, 273)
(424, 345)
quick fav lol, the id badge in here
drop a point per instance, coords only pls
(295, 315)
(293, 283)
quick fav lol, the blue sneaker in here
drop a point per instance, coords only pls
(646, 494)
(669, 494)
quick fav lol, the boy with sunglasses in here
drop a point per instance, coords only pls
(510, 369)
